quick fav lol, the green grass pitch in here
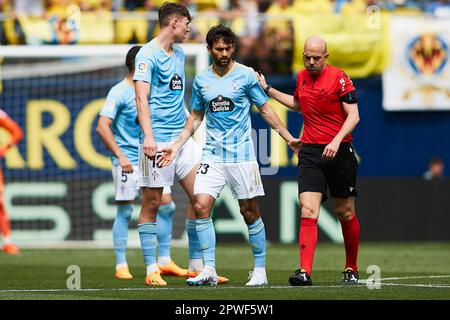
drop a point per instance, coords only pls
(408, 271)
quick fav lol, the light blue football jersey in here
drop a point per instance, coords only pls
(121, 108)
(227, 101)
(167, 81)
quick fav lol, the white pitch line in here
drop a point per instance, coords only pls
(413, 277)
(416, 277)
(362, 282)
(161, 289)
(416, 285)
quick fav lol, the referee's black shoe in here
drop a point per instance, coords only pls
(300, 278)
(350, 277)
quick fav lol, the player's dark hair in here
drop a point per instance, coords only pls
(131, 55)
(168, 9)
(220, 32)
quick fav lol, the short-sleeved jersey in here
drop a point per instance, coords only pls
(226, 102)
(120, 107)
(320, 104)
(165, 74)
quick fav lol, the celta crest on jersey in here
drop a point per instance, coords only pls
(221, 104)
(176, 83)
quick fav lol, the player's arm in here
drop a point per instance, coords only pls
(192, 123)
(283, 98)
(142, 89)
(352, 119)
(107, 136)
(16, 133)
(275, 123)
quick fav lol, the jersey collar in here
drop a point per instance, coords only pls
(226, 74)
(321, 75)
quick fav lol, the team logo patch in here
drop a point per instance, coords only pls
(427, 54)
(221, 104)
(176, 83)
(235, 85)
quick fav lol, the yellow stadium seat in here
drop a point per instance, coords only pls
(10, 33)
(204, 5)
(96, 27)
(279, 17)
(238, 25)
(126, 29)
(355, 6)
(312, 6)
(37, 30)
(203, 24)
(353, 46)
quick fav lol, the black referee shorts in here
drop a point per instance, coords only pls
(315, 174)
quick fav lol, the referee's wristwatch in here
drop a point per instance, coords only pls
(267, 88)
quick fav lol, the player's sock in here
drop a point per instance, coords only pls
(207, 238)
(152, 268)
(120, 232)
(6, 240)
(350, 232)
(5, 228)
(147, 235)
(121, 265)
(195, 253)
(307, 243)
(164, 221)
(257, 239)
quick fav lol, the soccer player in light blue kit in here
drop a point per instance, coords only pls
(159, 81)
(119, 131)
(225, 93)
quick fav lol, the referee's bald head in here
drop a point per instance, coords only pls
(315, 55)
(315, 43)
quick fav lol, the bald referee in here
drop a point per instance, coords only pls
(326, 97)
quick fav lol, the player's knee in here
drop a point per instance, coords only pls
(151, 205)
(345, 213)
(167, 210)
(125, 211)
(243, 208)
(308, 212)
(201, 210)
(250, 214)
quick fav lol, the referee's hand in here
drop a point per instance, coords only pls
(295, 145)
(330, 150)
(261, 79)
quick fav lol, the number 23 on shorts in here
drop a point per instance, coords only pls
(203, 168)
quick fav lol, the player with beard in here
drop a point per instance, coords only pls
(224, 93)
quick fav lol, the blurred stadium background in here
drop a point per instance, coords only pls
(60, 57)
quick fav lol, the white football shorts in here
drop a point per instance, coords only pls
(153, 176)
(126, 184)
(243, 179)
